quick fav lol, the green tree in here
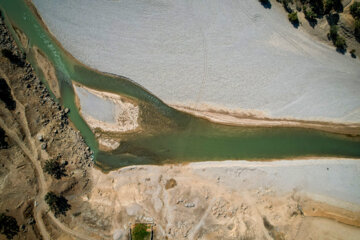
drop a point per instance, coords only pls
(8, 226)
(309, 14)
(357, 29)
(58, 204)
(340, 43)
(140, 232)
(293, 17)
(355, 10)
(333, 32)
(54, 168)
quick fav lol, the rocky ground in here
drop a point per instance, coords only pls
(34, 128)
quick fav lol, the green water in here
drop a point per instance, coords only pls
(169, 136)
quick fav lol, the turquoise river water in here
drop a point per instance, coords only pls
(172, 136)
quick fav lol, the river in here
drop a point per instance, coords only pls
(172, 136)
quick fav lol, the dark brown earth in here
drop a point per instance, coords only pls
(34, 128)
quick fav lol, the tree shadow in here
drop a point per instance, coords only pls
(18, 60)
(266, 4)
(312, 21)
(6, 96)
(341, 50)
(333, 19)
(295, 24)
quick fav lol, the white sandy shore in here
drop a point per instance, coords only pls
(208, 195)
(233, 54)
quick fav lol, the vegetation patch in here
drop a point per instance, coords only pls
(54, 168)
(8, 226)
(355, 10)
(58, 204)
(293, 18)
(141, 231)
(338, 41)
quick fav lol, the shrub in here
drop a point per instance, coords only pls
(309, 14)
(355, 10)
(340, 43)
(357, 29)
(333, 32)
(140, 232)
(352, 52)
(332, 4)
(54, 168)
(8, 226)
(293, 17)
(58, 204)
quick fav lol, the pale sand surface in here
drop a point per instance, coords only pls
(229, 200)
(106, 111)
(232, 54)
(255, 118)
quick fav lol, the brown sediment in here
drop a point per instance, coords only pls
(320, 209)
(258, 119)
(48, 70)
(22, 37)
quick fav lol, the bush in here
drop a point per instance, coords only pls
(309, 14)
(140, 232)
(8, 226)
(340, 43)
(352, 52)
(58, 204)
(355, 10)
(357, 29)
(293, 17)
(333, 4)
(333, 32)
(54, 168)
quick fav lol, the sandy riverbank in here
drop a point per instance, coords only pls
(231, 199)
(106, 111)
(257, 118)
(48, 71)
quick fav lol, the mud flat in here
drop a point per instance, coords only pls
(236, 55)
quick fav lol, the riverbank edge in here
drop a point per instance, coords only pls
(254, 118)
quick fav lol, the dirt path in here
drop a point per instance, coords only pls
(33, 155)
(42, 184)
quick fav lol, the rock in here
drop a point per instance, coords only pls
(148, 219)
(31, 221)
(22, 227)
(40, 138)
(67, 110)
(189, 205)
(43, 146)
